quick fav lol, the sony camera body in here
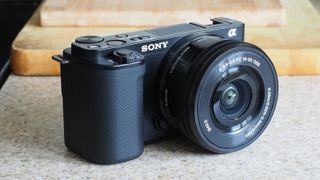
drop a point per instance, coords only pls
(123, 90)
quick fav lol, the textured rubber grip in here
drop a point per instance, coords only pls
(103, 112)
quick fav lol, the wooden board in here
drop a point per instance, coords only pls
(294, 48)
(158, 12)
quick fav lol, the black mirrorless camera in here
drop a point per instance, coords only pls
(202, 81)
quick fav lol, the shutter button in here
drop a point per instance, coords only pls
(127, 56)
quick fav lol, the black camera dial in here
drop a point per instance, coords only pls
(89, 39)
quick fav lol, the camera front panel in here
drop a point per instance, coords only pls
(94, 63)
(153, 45)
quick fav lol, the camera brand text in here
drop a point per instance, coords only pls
(154, 46)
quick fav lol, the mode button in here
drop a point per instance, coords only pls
(115, 42)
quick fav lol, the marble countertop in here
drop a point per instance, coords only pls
(32, 147)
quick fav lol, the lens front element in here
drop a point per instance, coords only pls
(229, 97)
(233, 99)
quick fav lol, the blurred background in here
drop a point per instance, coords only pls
(13, 15)
(287, 30)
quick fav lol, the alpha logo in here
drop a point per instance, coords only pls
(232, 32)
(155, 46)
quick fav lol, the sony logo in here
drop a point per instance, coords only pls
(155, 46)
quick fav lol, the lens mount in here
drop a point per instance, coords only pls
(220, 93)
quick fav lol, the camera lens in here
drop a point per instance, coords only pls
(220, 93)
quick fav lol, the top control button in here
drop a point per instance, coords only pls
(123, 52)
(121, 35)
(135, 38)
(139, 38)
(145, 37)
(89, 39)
(93, 46)
(115, 42)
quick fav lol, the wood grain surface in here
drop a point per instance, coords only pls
(158, 12)
(294, 48)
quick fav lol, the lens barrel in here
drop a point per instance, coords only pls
(220, 93)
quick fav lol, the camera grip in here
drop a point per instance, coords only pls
(103, 111)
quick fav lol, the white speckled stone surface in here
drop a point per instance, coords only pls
(32, 147)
